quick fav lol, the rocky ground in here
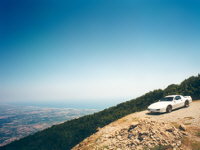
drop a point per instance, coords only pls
(178, 130)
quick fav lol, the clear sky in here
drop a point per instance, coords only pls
(98, 51)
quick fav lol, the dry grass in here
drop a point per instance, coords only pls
(195, 145)
(191, 144)
(126, 121)
(147, 117)
(176, 125)
(198, 133)
(186, 141)
(187, 123)
(162, 147)
(189, 118)
(104, 147)
(195, 131)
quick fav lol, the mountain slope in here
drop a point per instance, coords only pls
(70, 133)
(142, 130)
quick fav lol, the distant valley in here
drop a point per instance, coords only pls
(19, 121)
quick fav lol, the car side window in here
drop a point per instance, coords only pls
(177, 97)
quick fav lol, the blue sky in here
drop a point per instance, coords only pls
(99, 51)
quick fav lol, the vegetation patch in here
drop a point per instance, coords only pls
(186, 141)
(188, 118)
(187, 123)
(176, 125)
(198, 134)
(162, 147)
(195, 145)
(190, 143)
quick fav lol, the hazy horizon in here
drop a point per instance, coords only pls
(95, 52)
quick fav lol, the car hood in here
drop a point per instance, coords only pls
(159, 105)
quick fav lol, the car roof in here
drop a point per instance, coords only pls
(172, 95)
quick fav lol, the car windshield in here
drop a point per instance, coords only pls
(167, 99)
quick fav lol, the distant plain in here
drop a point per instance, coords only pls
(17, 121)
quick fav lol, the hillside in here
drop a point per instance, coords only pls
(67, 135)
(179, 129)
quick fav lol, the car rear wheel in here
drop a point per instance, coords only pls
(169, 109)
(187, 104)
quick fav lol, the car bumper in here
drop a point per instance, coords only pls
(157, 110)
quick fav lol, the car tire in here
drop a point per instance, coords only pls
(169, 109)
(187, 104)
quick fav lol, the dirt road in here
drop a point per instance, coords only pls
(188, 116)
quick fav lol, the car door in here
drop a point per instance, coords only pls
(178, 102)
(182, 101)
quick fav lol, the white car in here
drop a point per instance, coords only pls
(168, 103)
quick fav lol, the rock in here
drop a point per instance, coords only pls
(178, 143)
(132, 127)
(173, 145)
(119, 137)
(182, 127)
(149, 145)
(136, 142)
(144, 134)
(130, 135)
(98, 129)
(140, 138)
(184, 133)
(170, 130)
(106, 136)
